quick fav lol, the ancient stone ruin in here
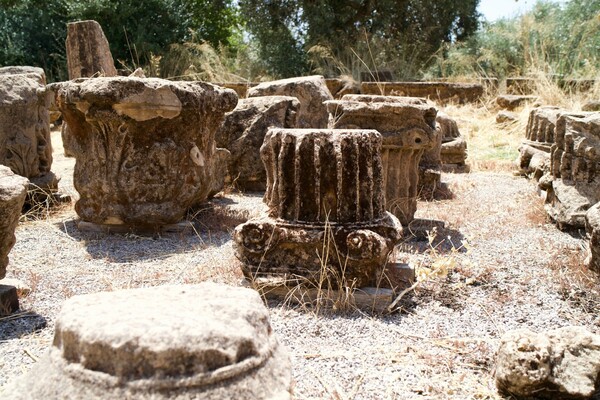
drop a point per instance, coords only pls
(437, 91)
(13, 189)
(562, 363)
(311, 91)
(25, 144)
(339, 87)
(144, 148)
(88, 52)
(327, 218)
(574, 185)
(592, 227)
(241, 88)
(454, 145)
(407, 126)
(511, 102)
(143, 344)
(534, 152)
(88, 55)
(243, 132)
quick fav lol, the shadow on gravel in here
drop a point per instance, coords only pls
(20, 323)
(444, 241)
(127, 247)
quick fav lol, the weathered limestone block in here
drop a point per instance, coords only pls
(243, 132)
(206, 341)
(454, 146)
(437, 91)
(25, 145)
(592, 227)
(13, 189)
(311, 91)
(562, 363)
(327, 217)
(575, 156)
(506, 117)
(408, 129)
(534, 152)
(35, 72)
(241, 88)
(88, 52)
(512, 101)
(144, 148)
(339, 87)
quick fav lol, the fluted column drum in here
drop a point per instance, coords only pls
(326, 207)
(407, 126)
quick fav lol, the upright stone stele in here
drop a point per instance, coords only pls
(206, 341)
(408, 129)
(144, 148)
(88, 52)
(311, 91)
(326, 209)
(88, 55)
(25, 143)
(243, 132)
(13, 189)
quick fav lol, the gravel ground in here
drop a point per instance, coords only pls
(517, 271)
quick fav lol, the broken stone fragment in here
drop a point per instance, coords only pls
(145, 148)
(562, 363)
(206, 341)
(13, 189)
(243, 132)
(88, 52)
(454, 145)
(311, 92)
(510, 101)
(25, 143)
(574, 157)
(592, 227)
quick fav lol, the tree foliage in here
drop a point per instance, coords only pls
(387, 33)
(552, 38)
(33, 32)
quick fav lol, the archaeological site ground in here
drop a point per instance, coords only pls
(346, 217)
